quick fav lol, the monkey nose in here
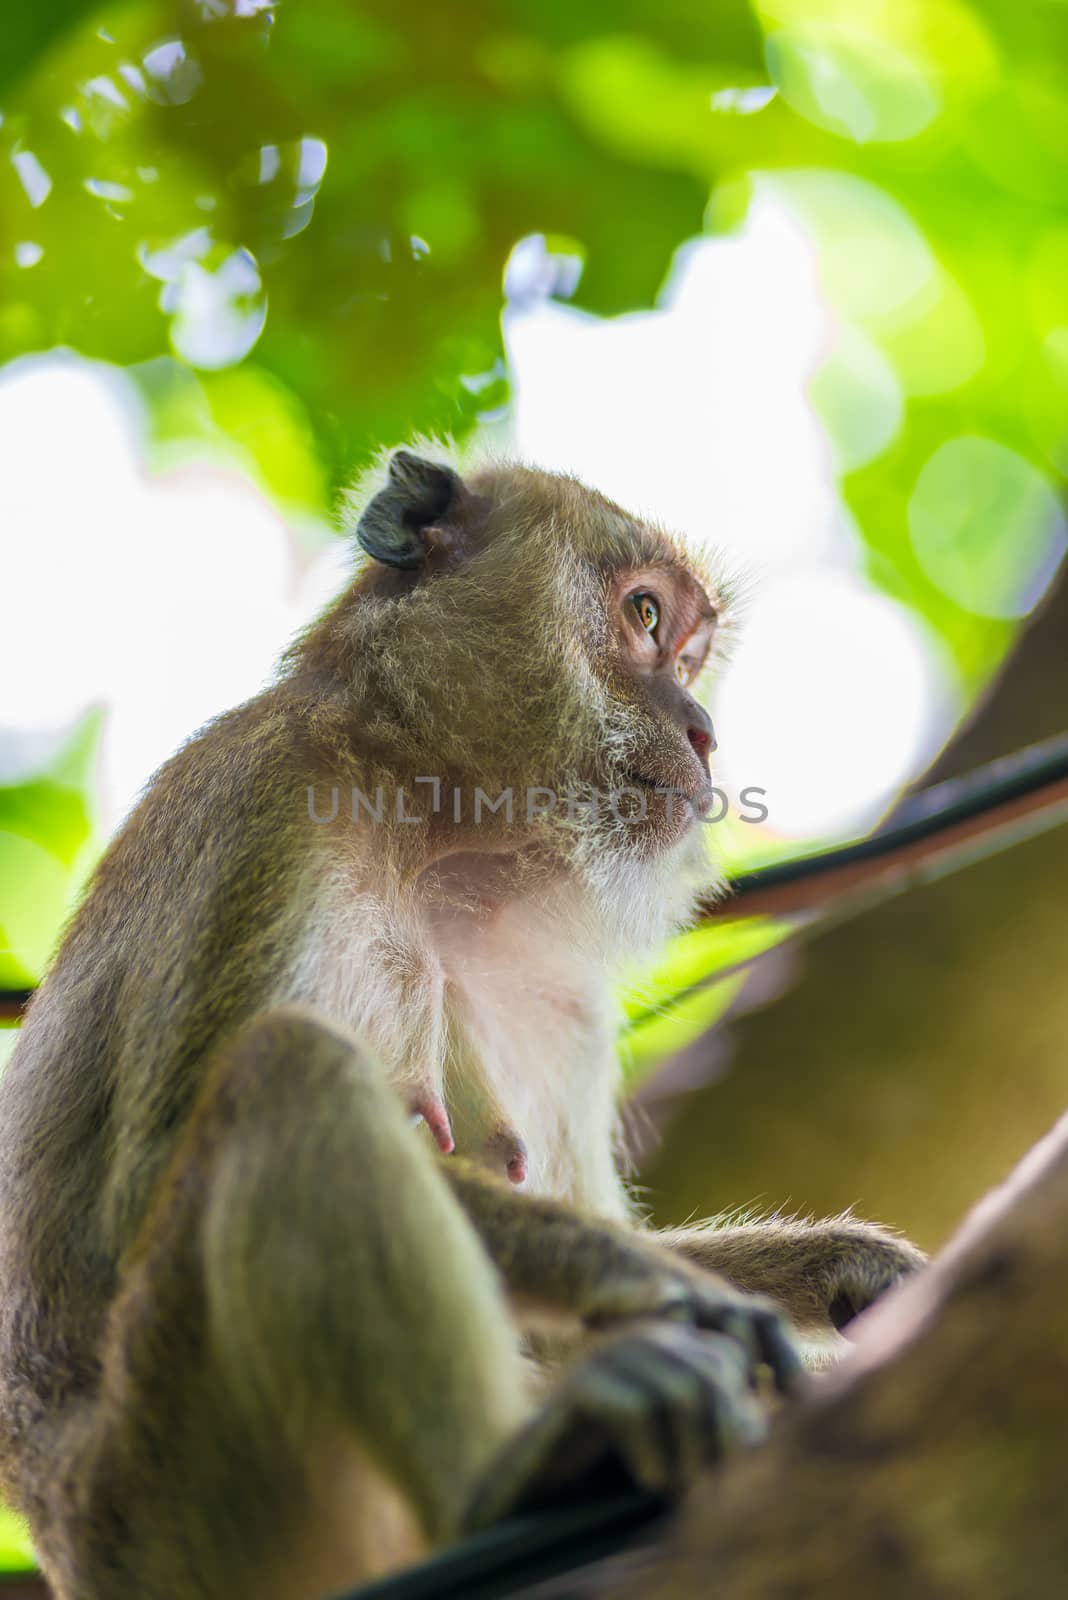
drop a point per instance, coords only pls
(701, 734)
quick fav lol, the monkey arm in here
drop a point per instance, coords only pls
(550, 1255)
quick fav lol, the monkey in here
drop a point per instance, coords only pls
(314, 1115)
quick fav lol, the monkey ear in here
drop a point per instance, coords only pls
(419, 493)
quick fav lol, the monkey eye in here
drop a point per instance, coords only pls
(683, 669)
(648, 611)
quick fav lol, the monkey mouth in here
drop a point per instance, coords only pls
(696, 799)
(660, 786)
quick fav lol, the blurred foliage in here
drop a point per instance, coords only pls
(184, 147)
(16, 1551)
(46, 848)
(348, 181)
(668, 1007)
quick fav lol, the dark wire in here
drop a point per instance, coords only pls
(927, 814)
(512, 1557)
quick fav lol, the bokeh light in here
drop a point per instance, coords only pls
(836, 696)
(987, 527)
(170, 595)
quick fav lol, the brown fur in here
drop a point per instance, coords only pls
(252, 1335)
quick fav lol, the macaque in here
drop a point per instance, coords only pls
(315, 1114)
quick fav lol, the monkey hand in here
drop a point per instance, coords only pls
(653, 1285)
(651, 1406)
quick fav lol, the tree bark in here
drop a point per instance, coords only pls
(932, 1464)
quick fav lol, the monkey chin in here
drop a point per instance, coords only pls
(647, 878)
(657, 814)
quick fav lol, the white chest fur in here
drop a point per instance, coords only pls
(498, 1008)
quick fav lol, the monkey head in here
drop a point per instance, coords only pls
(513, 630)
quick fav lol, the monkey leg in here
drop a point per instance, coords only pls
(660, 1382)
(308, 1324)
(822, 1274)
(651, 1405)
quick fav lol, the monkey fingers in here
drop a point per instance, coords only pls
(756, 1325)
(649, 1408)
(705, 1301)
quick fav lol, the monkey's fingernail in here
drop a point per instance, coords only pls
(432, 1110)
(517, 1167)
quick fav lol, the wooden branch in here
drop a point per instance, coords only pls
(933, 1464)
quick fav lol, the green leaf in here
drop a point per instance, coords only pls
(16, 1551)
(696, 955)
(690, 989)
(46, 842)
(651, 1042)
(31, 30)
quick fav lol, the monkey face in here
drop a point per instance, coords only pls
(662, 625)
